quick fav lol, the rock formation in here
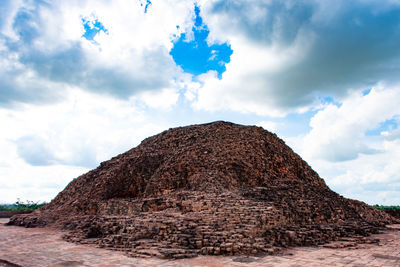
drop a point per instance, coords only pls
(216, 188)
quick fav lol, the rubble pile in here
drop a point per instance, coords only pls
(212, 189)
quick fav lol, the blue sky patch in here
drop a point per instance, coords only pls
(329, 100)
(92, 27)
(146, 5)
(388, 125)
(196, 56)
(366, 91)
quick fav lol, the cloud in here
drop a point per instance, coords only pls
(43, 44)
(268, 125)
(370, 178)
(287, 54)
(35, 183)
(163, 99)
(352, 146)
(38, 151)
(81, 81)
(82, 130)
(44, 147)
(339, 132)
(34, 151)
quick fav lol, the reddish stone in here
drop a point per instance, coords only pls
(216, 188)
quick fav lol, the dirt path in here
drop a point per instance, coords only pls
(44, 247)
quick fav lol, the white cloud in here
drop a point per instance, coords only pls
(243, 87)
(370, 178)
(352, 162)
(191, 90)
(46, 61)
(338, 133)
(269, 125)
(163, 99)
(19, 179)
(287, 54)
(34, 183)
(45, 40)
(44, 147)
(56, 85)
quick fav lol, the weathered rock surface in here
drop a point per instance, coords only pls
(10, 213)
(393, 212)
(216, 188)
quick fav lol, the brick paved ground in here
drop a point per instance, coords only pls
(44, 247)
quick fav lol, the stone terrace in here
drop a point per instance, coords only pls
(193, 224)
(45, 247)
(210, 189)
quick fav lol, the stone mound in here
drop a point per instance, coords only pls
(216, 188)
(393, 212)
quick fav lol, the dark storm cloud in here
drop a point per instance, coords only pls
(266, 21)
(349, 44)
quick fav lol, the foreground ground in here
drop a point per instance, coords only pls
(45, 247)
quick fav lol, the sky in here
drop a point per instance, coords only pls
(82, 81)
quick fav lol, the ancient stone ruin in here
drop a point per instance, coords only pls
(216, 189)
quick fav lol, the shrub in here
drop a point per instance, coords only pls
(22, 206)
(380, 207)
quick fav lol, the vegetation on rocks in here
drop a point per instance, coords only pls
(21, 206)
(381, 207)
